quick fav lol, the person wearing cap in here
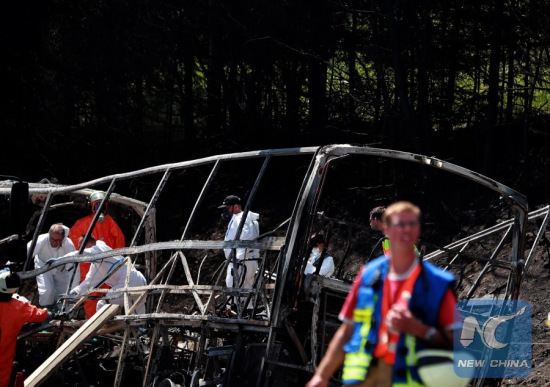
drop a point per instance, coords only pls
(53, 283)
(15, 311)
(397, 306)
(246, 259)
(106, 229)
(317, 243)
(117, 280)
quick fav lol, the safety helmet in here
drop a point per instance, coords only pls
(436, 369)
(9, 282)
(96, 196)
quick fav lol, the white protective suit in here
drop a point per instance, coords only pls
(251, 231)
(55, 282)
(100, 269)
(327, 268)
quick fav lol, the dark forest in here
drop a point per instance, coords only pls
(91, 88)
(95, 88)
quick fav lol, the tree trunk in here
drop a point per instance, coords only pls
(510, 85)
(188, 95)
(354, 81)
(409, 133)
(317, 83)
(291, 74)
(491, 138)
(423, 52)
(213, 79)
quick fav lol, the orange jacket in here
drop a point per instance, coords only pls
(13, 315)
(108, 231)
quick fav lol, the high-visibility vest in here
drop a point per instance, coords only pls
(427, 294)
(386, 249)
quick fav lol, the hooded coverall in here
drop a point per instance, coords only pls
(55, 282)
(107, 231)
(13, 315)
(251, 231)
(117, 280)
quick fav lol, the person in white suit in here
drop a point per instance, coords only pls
(317, 243)
(100, 269)
(53, 283)
(246, 259)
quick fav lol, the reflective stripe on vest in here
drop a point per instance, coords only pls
(360, 348)
(410, 358)
(386, 247)
(356, 364)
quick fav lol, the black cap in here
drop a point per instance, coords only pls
(230, 200)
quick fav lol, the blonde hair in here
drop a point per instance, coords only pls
(397, 208)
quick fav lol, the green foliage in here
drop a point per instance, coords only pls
(158, 75)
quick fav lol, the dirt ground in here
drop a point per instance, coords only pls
(535, 289)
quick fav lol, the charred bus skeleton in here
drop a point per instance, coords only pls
(175, 236)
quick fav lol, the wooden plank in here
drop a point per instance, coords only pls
(62, 353)
(113, 326)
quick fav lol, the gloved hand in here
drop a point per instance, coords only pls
(51, 260)
(63, 316)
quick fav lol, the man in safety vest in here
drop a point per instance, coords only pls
(375, 222)
(397, 306)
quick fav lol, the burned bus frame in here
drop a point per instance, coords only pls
(208, 348)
